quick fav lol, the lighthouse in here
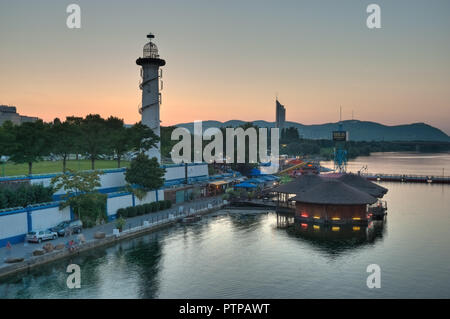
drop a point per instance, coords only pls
(151, 75)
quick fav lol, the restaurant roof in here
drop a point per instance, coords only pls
(334, 192)
(363, 184)
(299, 184)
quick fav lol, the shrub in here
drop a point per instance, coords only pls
(90, 208)
(154, 207)
(121, 212)
(14, 195)
(131, 211)
(87, 223)
(168, 203)
(120, 223)
(140, 210)
(148, 208)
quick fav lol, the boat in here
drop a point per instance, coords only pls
(191, 219)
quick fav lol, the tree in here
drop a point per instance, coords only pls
(166, 142)
(6, 138)
(289, 134)
(94, 139)
(146, 173)
(120, 138)
(30, 143)
(142, 138)
(64, 136)
(82, 196)
(75, 121)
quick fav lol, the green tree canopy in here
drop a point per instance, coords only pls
(145, 173)
(120, 139)
(142, 137)
(64, 139)
(6, 138)
(82, 196)
(93, 139)
(30, 143)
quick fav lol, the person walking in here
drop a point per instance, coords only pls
(8, 249)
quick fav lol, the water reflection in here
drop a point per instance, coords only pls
(336, 240)
(246, 221)
(145, 255)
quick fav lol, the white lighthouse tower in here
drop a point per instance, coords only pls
(151, 97)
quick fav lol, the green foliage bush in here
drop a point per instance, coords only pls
(131, 211)
(140, 210)
(122, 212)
(90, 208)
(148, 208)
(24, 195)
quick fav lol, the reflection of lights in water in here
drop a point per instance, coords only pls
(335, 228)
(356, 218)
(316, 217)
(304, 226)
(335, 218)
(316, 227)
(356, 228)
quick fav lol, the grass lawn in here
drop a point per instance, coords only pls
(46, 167)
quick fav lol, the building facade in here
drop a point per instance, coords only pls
(9, 113)
(280, 115)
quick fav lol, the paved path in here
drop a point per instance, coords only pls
(25, 250)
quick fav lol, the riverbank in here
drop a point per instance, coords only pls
(136, 226)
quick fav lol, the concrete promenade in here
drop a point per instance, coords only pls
(155, 220)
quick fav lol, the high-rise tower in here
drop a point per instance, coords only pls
(280, 115)
(151, 75)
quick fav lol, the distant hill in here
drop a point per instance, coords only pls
(358, 130)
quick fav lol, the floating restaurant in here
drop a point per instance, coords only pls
(345, 199)
(333, 201)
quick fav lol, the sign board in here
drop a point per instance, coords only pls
(339, 136)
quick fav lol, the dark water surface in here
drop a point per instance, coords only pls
(247, 256)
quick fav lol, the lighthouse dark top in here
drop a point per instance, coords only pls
(150, 55)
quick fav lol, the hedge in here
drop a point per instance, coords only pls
(15, 195)
(139, 210)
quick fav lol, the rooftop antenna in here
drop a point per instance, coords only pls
(340, 154)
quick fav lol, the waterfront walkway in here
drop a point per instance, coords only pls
(25, 250)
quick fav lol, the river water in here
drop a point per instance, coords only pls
(229, 255)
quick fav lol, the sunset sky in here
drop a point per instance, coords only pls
(228, 59)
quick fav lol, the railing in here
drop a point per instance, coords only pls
(172, 215)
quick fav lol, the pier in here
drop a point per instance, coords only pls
(407, 178)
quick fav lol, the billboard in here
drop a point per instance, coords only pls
(340, 136)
